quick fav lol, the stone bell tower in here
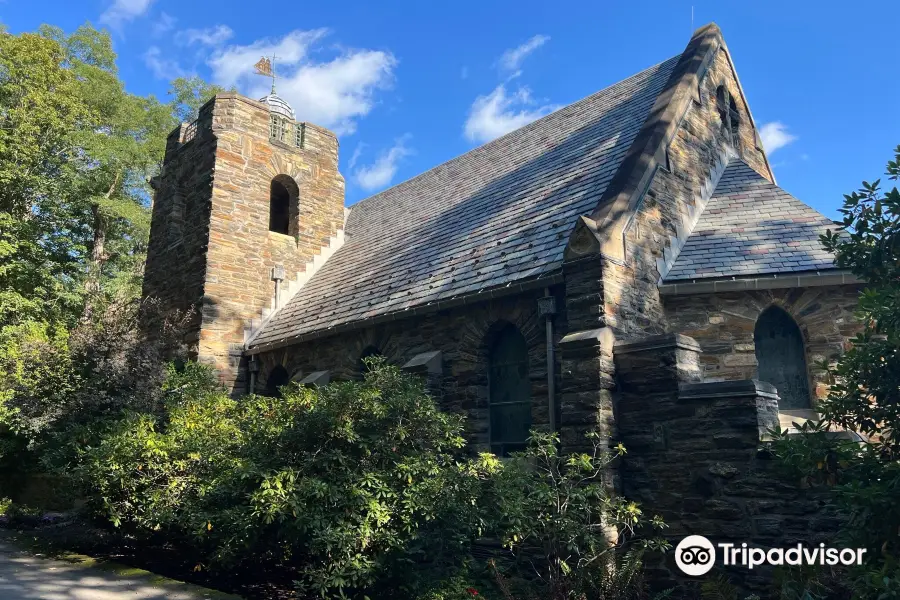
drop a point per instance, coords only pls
(247, 199)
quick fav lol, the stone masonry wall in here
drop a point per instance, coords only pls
(179, 232)
(696, 457)
(463, 335)
(632, 300)
(235, 163)
(723, 325)
(588, 373)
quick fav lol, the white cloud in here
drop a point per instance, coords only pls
(380, 173)
(774, 136)
(512, 59)
(164, 24)
(161, 67)
(333, 93)
(357, 152)
(498, 113)
(123, 11)
(210, 36)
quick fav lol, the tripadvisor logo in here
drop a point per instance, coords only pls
(695, 555)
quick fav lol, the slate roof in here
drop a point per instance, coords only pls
(751, 226)
(499, 214)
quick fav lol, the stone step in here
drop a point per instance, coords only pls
(289, 287)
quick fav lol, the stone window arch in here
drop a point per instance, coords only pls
(277, 377)
(782, 358)
(509, 391)
(283, 205)
(729, 115)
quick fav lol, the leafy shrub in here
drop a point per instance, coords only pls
(63, 384)
(360, 488)
(864, 397)
(345, 483)
(34, 358)
(557, 516)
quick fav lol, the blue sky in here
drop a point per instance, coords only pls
(408, 85)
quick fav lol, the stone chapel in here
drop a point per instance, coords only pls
(647, 208)
(627, 260)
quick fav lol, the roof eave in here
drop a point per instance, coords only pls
(397, 315)
(760, 282)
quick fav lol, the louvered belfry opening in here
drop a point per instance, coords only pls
(729, 114)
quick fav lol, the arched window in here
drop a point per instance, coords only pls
(781, 357)
(509, 391)
(284, 205)
(277, 378)
(728, 113)
(279, 207)
(369, 351)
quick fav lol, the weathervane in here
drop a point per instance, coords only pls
(266, 66)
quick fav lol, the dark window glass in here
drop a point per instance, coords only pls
(279, 207)
(728, 113)
(510, 392)
(277, 378)
(781, 357)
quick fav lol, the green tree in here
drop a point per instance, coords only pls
(41, 111)
(865, 392)
(109, 191)
(189, 94)
(562, 523)
(76, 152)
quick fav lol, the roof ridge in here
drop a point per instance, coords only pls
(616, 207)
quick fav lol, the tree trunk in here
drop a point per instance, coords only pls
(98, 255)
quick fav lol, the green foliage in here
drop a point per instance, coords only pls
(40, 112)
(108, 190)
(557, 515)
(864, 395)
(189, 94)
(76, 152)
(720, 588)
(59, 383)
(361, 488)
(35, 360)
(346, 483)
